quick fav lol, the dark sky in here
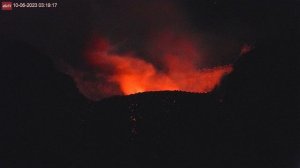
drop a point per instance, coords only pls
(63, 32)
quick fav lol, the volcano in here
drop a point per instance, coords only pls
(249, 119)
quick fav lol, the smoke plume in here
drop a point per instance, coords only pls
(144, 46)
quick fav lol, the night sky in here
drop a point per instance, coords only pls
(223, 25)
(218, 29)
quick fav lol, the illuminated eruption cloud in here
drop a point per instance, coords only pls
(146, 46)
(127, 73)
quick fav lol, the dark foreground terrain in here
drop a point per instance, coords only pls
(251, 120)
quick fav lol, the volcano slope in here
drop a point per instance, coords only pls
(250, 120)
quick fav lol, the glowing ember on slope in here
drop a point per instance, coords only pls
(132, 74)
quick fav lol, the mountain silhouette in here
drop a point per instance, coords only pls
(250, 120)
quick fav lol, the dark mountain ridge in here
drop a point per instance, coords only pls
(251, 120)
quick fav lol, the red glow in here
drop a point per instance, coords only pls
(246, 48)
(132, 74)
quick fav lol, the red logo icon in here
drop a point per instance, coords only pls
(7, 6)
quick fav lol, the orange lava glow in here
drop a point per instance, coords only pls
(132, 74)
